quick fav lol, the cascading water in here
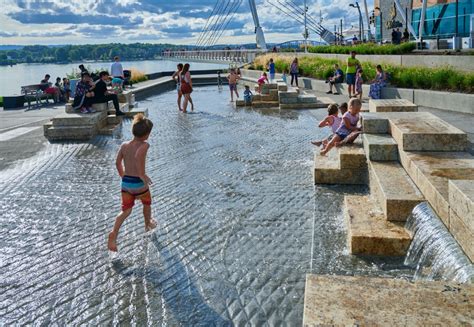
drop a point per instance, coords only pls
(434, 251)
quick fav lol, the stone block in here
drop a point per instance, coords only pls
(239, 103)
(431, 172)
(265, 104)
(461, 200)
(282, 87)
(69, 108)
(110, 129)
(136, 111)
(393, 189)
(374, 124)
(369, 233)
(462, 233)
(380, 147)
(352, 156)
(316, 105)
(327, 170)
(288, 94)
(307, 98)
(57, 133)
(114, 120)
(77, 119)
(101, 106)
(337, 300)
(425, 132)
(392, 105)
(453, 101)
(288, 100)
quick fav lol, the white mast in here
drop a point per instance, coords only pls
(261, 44)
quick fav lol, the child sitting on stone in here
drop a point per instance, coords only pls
(348, 130)
(130, 162)
(248, 95)
(332, 120)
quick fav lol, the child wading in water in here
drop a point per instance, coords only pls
(135, 182)
(248, 95)
(332, 120)
(348, 130)
(233, 77)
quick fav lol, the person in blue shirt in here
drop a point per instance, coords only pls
(271, 69)
(337, 77)
(248, 95)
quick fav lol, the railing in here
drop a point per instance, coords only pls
(224, 56)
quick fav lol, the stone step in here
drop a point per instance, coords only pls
(114, 120)
(110, 129)
(282, 86)
(316, 105)
(69, 109)
(431, 172)
(269, 97)
(461, 214)
(78, 119)
(380, 147)
(393, 189)
(335, 300)
(426, 132)
(264, 104)
(291, 93)
(344, 165)
(239, 103)
(392, 105)
(57, 133)
(375, 124)
(136, 111)
(101, 106)
(369, 233)
(307, 98)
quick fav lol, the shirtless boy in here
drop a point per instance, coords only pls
(233, 77)
(135, 182)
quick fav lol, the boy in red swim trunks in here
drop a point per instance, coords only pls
(135, 182)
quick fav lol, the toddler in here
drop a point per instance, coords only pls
(135, 182)
(358, 84)
(332, 120)
(248, 95)
(117, 85)
(347, 128)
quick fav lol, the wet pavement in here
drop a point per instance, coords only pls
(240, 224)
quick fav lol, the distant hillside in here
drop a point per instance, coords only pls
(10, 47)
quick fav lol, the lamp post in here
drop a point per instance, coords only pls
(305, 28)
(381, 24)
(361, 22)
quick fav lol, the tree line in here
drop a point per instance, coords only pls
(73, 53)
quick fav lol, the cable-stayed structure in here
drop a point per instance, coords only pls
(217, 22)
(292, 10)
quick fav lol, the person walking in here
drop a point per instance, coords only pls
(186, 87)
(352, 64)
(294, 71)
(177, 78)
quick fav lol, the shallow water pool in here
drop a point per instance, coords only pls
(240, 224)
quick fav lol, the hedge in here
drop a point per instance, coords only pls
(440, 79)
(365, 48)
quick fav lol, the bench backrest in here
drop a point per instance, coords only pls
(30, 89)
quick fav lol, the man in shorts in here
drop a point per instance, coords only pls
(352, 64)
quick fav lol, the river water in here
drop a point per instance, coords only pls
(13, 77)
(240, 224)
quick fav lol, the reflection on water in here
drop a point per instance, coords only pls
(240, 224)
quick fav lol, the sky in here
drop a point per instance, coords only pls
(156, 21)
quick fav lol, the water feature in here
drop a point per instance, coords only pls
(434, 251)
(12, 78)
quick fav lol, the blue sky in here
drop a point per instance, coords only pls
(104, 21)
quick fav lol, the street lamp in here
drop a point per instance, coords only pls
(361, 22)
(305, 34)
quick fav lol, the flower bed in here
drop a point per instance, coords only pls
(366, 48)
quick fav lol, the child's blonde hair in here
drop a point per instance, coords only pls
(356, 103)
(141, 126)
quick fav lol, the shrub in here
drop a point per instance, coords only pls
(137, 76)
(1, 101)
(442, 78)
(366, 48)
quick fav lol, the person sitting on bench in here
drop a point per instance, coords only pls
(101, 94)
(336, 78)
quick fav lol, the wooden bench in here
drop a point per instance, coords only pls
(34, 92)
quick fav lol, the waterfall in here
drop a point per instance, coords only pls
(434, 251)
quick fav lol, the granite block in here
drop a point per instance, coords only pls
(369, 301)
(380, 147)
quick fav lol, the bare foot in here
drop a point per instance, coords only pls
(151, 225)
(323, 152)
(112, 242)
(317, 143)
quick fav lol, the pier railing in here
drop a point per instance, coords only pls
(221, 56)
